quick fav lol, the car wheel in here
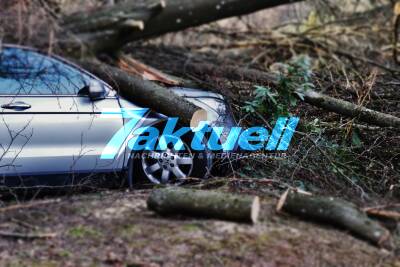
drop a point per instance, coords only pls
(168, 167)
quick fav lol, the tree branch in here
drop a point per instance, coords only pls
(108, 28)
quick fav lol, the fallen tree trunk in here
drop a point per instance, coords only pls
(143, 92)
(206, 204)
(109, 28)
(339, 213)
(351, 110)
(312, 97)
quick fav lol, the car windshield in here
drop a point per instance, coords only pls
(27, 72)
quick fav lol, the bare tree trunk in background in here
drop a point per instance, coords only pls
(109, 28)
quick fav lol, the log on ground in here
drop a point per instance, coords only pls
(204, 204)
(339, 213)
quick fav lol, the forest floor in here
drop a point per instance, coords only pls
(114, 228)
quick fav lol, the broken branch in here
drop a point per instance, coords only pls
(387, 214)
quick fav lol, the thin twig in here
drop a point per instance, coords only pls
(27, 235)
(29, 205)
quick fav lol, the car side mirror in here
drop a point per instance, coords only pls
(97, 90)
(94, 90)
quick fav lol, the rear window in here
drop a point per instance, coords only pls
(25, 72)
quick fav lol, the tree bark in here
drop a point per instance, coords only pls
(205, 204)
(109, 28)
(143, 92)
(337, 212)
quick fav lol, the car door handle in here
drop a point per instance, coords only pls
(19, 105)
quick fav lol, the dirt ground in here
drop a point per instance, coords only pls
(114, 228)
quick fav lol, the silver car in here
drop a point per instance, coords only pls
(52, 131)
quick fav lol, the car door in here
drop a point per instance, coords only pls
(45, 126)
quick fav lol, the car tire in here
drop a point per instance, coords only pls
(150, 167)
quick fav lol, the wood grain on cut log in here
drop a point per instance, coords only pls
(109, 28)
(205, 204)
(143, 92)
(337, 212)
(312, 97)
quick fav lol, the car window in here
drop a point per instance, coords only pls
(25, 72)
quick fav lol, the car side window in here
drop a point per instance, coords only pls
(25, 72)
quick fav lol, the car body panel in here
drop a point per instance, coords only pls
(56, 135)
